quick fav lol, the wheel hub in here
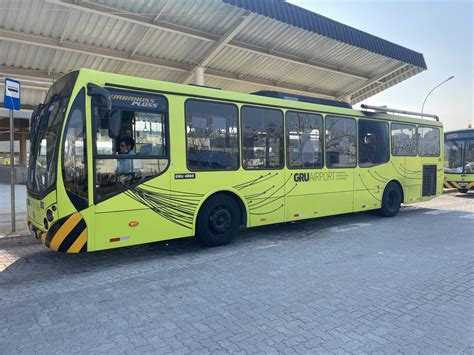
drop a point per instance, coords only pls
(219, 220)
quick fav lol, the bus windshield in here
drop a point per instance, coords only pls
(459, 156)
(453, 156)
(46, 125)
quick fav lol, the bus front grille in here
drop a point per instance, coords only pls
(429, 180)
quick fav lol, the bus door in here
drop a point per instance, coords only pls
(319, 190)
(131, 158)
(375, 167)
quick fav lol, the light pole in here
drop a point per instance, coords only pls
(437, 86)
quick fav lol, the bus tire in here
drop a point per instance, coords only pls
(391, 200)
(463, 191)
(218, 221)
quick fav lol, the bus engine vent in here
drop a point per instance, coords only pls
(429, 180)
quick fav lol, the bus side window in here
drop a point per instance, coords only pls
(212, 135)
(304, 134)
(469, 159)
(428, 142)
(262, 138)
(373, 143)
(340, 142)
(140, 152)
(403, 139)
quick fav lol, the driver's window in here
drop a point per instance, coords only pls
(139, 152)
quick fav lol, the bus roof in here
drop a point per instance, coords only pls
(460, 134)
(129, 82)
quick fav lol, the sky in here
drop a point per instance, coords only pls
(441, 30)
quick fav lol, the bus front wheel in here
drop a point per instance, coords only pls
(218, 221)
(391, 200)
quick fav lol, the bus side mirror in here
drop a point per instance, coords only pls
(115, 124)
(96, 90)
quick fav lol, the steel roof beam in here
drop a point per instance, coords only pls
(140, 43)
(201, 35)
(47, 42)
(376, 80)
(363, 94)
(214, 50)
(42, 41)
(38, 76)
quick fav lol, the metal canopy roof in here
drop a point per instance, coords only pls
(244, 45)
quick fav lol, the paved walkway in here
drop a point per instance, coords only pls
(348, 284)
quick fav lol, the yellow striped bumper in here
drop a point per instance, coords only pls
(69, 234)
(458, 185)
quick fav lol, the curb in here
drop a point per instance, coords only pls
(16, 240)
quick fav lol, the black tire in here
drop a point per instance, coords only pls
(463, 191)
(218, 221)
(391, 200)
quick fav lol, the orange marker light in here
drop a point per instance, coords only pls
(133, 224)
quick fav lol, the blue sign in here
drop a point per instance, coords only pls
(11, 97)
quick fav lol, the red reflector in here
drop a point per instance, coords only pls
(133, 223)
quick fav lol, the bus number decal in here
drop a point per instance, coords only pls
(185, 176)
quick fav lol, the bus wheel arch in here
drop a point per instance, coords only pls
(392, 197)
(219, 218)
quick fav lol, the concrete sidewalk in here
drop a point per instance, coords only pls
(5, 217)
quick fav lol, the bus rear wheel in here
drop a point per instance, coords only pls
(218, 221)
(391, 200)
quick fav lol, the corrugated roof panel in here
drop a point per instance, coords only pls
(23, 55)
(237, 61)
(174, 47)
(275, 26)
(64, 62)
(150, 72)
(106, 32)
(310, 21)
(205, 15)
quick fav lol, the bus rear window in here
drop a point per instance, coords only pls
(428, 142)
(403, 139)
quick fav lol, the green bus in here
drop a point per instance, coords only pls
(459, 160)
(118, 161)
